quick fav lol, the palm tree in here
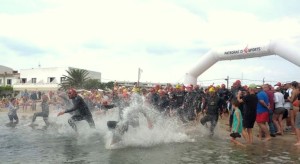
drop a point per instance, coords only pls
(76, 78)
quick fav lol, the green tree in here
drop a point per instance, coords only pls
(92, 84)
(96, 84)
(76, 78)
(109, 85)
(6, 91)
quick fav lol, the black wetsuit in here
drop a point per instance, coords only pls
(44, 113)
(82, 112)
(214, 105)
(154, 99)
(163, 103)
(188, 106)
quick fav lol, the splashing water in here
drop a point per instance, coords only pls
(165, 129)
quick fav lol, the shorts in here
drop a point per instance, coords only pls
(249, 121)
(296, 103)
(279, 110)
(262, 117)
(297, 121)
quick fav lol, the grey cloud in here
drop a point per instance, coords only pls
(21, 7)
(20, 47)
(197, 51)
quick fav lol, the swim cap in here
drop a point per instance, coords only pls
(211, 89)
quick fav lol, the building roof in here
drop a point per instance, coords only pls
(4, 69)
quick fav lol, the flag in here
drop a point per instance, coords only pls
(246, 49)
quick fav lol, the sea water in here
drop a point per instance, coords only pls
(169, 141)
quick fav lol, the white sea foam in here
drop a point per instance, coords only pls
(165, 129)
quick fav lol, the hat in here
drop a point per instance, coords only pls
(278, 84)
(276, 88)
(252, 86)
(211, 89)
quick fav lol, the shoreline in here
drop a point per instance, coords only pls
(286, 137)
(223, 124)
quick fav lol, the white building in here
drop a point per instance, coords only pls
(45, 79)
(8, 76)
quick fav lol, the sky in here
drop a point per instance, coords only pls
(165, 38)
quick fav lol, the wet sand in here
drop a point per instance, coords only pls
(286, 138)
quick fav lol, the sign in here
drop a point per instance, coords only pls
(246, 50)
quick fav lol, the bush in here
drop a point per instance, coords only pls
(6, 91)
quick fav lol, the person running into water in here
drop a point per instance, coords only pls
(130, 118)
(12, 107)
(44, 113)
(81, 110)
(212, 110)
(237, 124)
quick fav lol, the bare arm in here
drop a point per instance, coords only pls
(239, 97)
(262, 102)
(294, 95)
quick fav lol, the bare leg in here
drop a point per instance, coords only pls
(293, 120)
(280, 123)
(276, 122)
(250, 135)
(298, 137)
(245, 134)
(237, 142)
(265, 130)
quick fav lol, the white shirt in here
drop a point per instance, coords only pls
(278, 99)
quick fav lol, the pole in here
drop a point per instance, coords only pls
(139, 74)
(227, 80)
(4, 81)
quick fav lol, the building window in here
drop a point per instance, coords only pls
(8, 82)
(51, 79)
(62, 79)
(23, 80)
(33, 80)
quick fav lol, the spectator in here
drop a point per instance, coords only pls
(262, 113)
(279, 110)
(250, 104)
